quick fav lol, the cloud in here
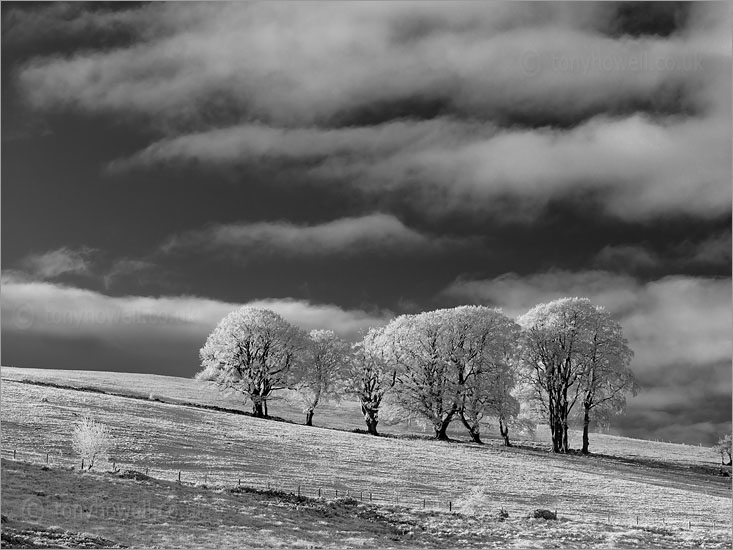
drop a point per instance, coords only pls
(629, 258)
(679, 328)
(70, 313)
(714, 250)
(518, 293)
(52, 264)
(462, 105)
(380, 233)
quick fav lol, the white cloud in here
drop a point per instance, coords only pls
(676, 321)
(376, 232)
(53, 263)
(47, 309)
(290, 72)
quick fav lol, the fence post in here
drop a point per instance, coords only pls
(450, 506)
(146, 471)
(298, 491)
(13, 454)
(206, 478)
(82, 463)
(423, 503)
(370, 496)
(637, 520)
(361, 495)
(239, 481)
(319, 492)
(337, 492)
(46, 458)
(179, 476)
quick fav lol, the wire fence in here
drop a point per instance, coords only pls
(305, 489)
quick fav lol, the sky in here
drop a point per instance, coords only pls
(340, 164)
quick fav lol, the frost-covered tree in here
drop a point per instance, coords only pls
(446, 362)
(428, 384)
(607, 377)
(565, 343)
(485, 349)
(724, 448)
(489, 393)
(91, 440)
(369, 376)
(322, 370)
(255, 352)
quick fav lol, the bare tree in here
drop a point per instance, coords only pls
(321, 370)
(254, 352)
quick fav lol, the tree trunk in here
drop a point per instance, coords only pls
(309, 417)
(442, 428)
(557, 436)
(473, 430)
(257, 409)
(371, 419)
(586, 424)
(504, 431)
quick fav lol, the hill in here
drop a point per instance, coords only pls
(660, 486)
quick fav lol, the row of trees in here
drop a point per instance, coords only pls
(562, 361)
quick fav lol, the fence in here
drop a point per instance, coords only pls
(365, 495)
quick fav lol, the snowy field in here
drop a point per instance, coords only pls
(223, 449)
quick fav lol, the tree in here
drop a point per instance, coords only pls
(446, 362)
(427, 383)
(369, 376)
(607, 377)
(91, 440)
(566, 343)
(724, 448)
(489, 393)
(254, 352)
(484, 344)
(327, 354)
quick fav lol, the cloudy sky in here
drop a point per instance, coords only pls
(343, 163)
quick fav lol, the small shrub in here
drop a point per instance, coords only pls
(91, 440)
(503, 514)
(544, 514)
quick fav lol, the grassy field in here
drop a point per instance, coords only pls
(103, 509)
(683, 497)
(345, 415)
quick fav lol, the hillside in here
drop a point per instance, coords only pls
(673, 487)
